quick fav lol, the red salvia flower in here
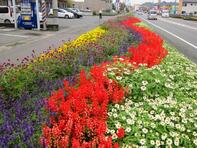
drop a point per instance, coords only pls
(120, 133)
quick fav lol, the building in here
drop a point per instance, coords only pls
(188, 7)
(61, 3)
(94, 5)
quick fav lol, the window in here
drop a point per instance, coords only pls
(3, 9)
(185, 4)
(195, 12)
(191, 4)
(60, 11)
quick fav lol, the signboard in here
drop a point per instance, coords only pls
(26, 8)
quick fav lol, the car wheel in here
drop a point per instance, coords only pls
(66, 17)
(7, 22)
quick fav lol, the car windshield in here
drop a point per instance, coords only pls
(165, 11)
(153, 12)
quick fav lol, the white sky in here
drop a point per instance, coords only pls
(143, 1)
(139, 1)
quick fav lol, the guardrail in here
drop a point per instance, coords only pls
(187, 17)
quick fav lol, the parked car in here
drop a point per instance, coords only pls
(152, 15)
(165, 13)
(77, 10)
(76, 14)
(139, 12)
(62, 13)
(7, 15)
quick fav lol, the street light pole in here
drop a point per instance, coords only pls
(55, 11)
(38, 15)
(175, 8)
(14, 11)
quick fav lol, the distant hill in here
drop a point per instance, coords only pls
(164, 3)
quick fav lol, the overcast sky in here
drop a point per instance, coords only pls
(140, 1)
(143, 1)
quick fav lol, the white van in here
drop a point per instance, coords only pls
(7, 15)
(165, 13)
(152, 15)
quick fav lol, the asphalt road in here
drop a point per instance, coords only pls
(180, 33)
(20, 43)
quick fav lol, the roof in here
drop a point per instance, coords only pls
(189, 1)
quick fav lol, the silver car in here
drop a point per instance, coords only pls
(152, 15)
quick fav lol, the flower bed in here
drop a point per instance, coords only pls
(144, 96)
(23, 87)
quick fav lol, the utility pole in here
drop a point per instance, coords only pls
(175, 7)
(14, 11)
(38, 15)
(55, 11)
(55, 7)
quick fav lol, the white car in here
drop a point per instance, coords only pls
(165, 13)
(152, 15)
(62, 13)
(7, 15)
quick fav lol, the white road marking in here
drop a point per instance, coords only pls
(174, 35)
(14, 35)
(164, 20)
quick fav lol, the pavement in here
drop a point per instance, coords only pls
(182, 34)
(20, 43)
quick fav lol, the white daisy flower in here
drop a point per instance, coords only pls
(118, 125)
(169, 141)
(178, 126)
(130, 122)
(115, 115)
(164, 136)
(194, 134)
(143, 141)
(114, 136)
(176, 142)
(152, 142)
(118, 78)
(130, 85)
(117, 106)
(143, 88)
(144, 130)
(195, 141)
(144, 83)
(158, 143)
(112, 131)
(109, 69)
(128, 129)
(114, 110)
(157, 81)
(123, 118)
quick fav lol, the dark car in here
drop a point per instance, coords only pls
(76, 15)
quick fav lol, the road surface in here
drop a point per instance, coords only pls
(20, 43)
(180, 33)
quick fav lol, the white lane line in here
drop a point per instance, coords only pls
(174, 35)
(14, 35)
(178, 24)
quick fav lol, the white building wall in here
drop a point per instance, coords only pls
(190, 8)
